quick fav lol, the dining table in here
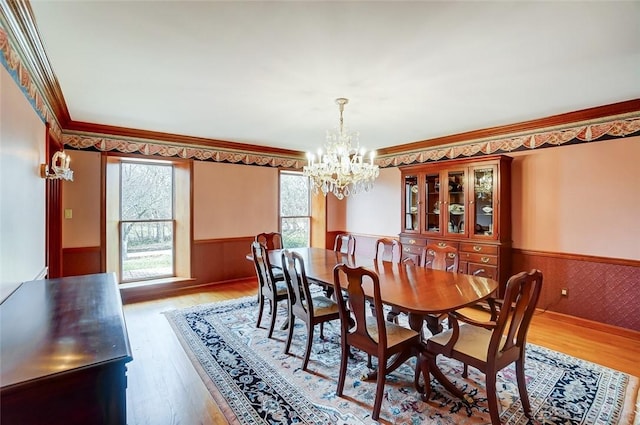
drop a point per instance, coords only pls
(422, 293)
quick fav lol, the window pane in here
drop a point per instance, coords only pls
(147, 191)
(295, 232)
(294, 195)
(147, 250)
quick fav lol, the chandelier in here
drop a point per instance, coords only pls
(341, 169)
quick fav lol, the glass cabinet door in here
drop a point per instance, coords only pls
(456, 202)
(484, 200)
(411, 202)
(432, 204)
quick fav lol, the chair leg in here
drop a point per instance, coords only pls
(291, 321)
(465, 370)
(307, 351)
(260, 309)
(369, 363)
(322, 330)
(274, 306)
(522, 387)
(343, 368)
(423, 368)
(492, 398)
(382, 369)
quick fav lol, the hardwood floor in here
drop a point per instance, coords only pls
(164, 388)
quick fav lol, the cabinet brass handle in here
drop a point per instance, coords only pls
(412, 241)
(442, 244)
(485, 259)
(451, 255)
(477, 248)
(407, 250)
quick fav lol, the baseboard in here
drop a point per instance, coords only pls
(586, 323)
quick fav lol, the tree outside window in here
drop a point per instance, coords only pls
(295, 209)
(146, 221)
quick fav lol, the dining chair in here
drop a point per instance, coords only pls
(388, 250)
(270, 288)
(345, 244)
(489, 346)
(438, 257)
(311, 309)
(271, 240)
(370, 334)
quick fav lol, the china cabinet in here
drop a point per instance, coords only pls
(461, 203)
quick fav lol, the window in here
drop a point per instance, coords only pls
(147, 223)
(295, 209)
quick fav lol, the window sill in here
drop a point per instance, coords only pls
(155, 282)
(152, 289)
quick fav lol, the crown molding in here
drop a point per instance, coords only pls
(18, 18)
(84, 128)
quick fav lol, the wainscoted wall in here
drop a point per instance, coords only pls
(79, 261)
(605, 290)
(218, 260)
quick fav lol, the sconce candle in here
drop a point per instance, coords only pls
(59, 168)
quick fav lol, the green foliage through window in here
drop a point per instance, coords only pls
(295, 220)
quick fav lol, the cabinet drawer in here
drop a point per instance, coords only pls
(482, 270)
(480, 258)
(408, 241)
(444, 243)
(479, 248)
(412, 249)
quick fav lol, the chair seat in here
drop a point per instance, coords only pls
(281, 288)
(473, 341)
(396, 334)
(323, 306)
(278, 275)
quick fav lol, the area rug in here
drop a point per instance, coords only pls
(254, 382)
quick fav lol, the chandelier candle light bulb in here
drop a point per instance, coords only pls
(341, 170)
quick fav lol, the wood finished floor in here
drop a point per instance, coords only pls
(165, 389)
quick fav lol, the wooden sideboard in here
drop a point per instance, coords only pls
(64, 348)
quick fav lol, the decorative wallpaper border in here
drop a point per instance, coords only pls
(200, 153)
(20, 73)
(572, 133)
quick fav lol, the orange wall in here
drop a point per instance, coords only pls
(82, 197)
(581, 199)
(234, 200)
(22, 191)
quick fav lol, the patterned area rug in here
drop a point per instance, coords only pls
(254, 382)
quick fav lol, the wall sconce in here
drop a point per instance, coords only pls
(59, 168)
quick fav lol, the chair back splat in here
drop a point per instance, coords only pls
(271, 240)
(345, 244)
(388, 250)
(439, 257)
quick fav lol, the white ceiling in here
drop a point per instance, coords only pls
(267, 73)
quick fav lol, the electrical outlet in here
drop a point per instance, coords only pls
(564, 292)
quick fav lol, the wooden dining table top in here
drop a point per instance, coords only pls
(410, 288)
